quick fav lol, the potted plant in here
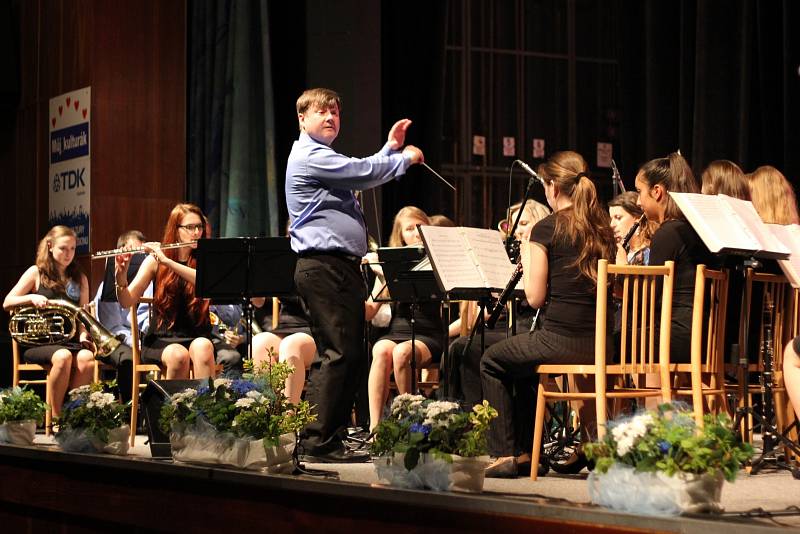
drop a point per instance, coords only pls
(660, 463)
(93, 421)
(20, 411)
(246, 423)
(432, 444)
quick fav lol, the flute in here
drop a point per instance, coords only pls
(631, 232)
(119, 251)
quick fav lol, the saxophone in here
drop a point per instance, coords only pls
(56, 323)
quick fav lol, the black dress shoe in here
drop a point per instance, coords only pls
(524, 469)
(337, 456)
(502, 468)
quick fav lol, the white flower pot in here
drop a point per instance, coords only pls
(461, 474)
(622, 488)
(205, 446)
(79, 440)
(18, 432)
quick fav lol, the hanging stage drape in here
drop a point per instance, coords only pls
(231, 123)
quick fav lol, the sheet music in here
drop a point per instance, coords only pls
(451, 256)
(487, 246)
(727, 224)
(789, 236)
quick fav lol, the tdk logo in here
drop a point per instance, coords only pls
(68, 180)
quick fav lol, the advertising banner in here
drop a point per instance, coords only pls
(70, 163)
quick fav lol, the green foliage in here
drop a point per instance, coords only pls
(20, 404)
(417, 425)
(254, 407)
(93, 409)
(668, 440)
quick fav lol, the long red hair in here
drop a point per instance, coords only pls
(168, 283)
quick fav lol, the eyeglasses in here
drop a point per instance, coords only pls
(191, 227)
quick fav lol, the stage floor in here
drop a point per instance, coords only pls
(770, 498)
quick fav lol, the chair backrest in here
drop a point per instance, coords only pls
(775, 305)
(709, 314)
(642, 304)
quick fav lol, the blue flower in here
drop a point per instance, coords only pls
(71, 405)
(202, 390)
(664, 446)
(422, 429)
(241, 387)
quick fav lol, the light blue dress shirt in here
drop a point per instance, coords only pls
(118, 319)
(323, 211)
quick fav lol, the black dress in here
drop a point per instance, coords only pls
(428, 326)
(183, 332)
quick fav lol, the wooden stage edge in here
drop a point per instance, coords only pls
(46, 490)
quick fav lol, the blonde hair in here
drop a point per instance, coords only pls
(536, 211)
(396, 238)
(585, 224)
(773, 196)
(726, 178)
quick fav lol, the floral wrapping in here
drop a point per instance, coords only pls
(202, 444)
(82, 440)
(648, 493)
(459, 474)
(18, 432)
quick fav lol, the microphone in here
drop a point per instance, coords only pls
(530, 171)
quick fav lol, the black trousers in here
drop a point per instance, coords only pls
(466, 380)
(509, 378)
(333, 290)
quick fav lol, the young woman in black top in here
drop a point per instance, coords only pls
(560, 275)
(674, 240)
(56, 276)
(180, 330)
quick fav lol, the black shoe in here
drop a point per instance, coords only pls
(503, 468)
(337, 456)
(524, 468)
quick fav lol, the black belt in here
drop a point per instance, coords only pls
(335, 253)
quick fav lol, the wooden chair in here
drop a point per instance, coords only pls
(764, 290)
(708, 315)
(19, 366)
(98, 365)
(638, 354)
(137, 366)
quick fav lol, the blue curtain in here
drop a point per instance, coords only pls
(231, 122)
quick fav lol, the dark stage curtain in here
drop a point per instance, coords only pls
(412, 60)
(231, 126)
(717, 78)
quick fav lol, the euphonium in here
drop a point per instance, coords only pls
(215, 320)
(56, 323)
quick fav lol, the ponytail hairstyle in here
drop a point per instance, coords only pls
(629, 201)
(773, 196)
(726, 178)
(674, 175)
(49, 276)
(585, 224)
(169, 284)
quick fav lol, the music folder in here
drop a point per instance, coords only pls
(469, 263)
(729, 225)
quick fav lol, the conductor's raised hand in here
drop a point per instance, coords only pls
(397, 135)
(414, 154)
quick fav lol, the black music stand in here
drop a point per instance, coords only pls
(409, 286)
(233, 270)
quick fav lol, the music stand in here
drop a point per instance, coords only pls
(409, 286)
(234, 270)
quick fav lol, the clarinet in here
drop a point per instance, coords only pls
(503, 298)
(631, 232)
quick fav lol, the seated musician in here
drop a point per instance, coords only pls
(625, 212)
(56, 275)
(116, 318)
(228, 336)
(392, 352)
(559, 271)
(290, 342)
(467, 383)
(674, 240)
(180, 329)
